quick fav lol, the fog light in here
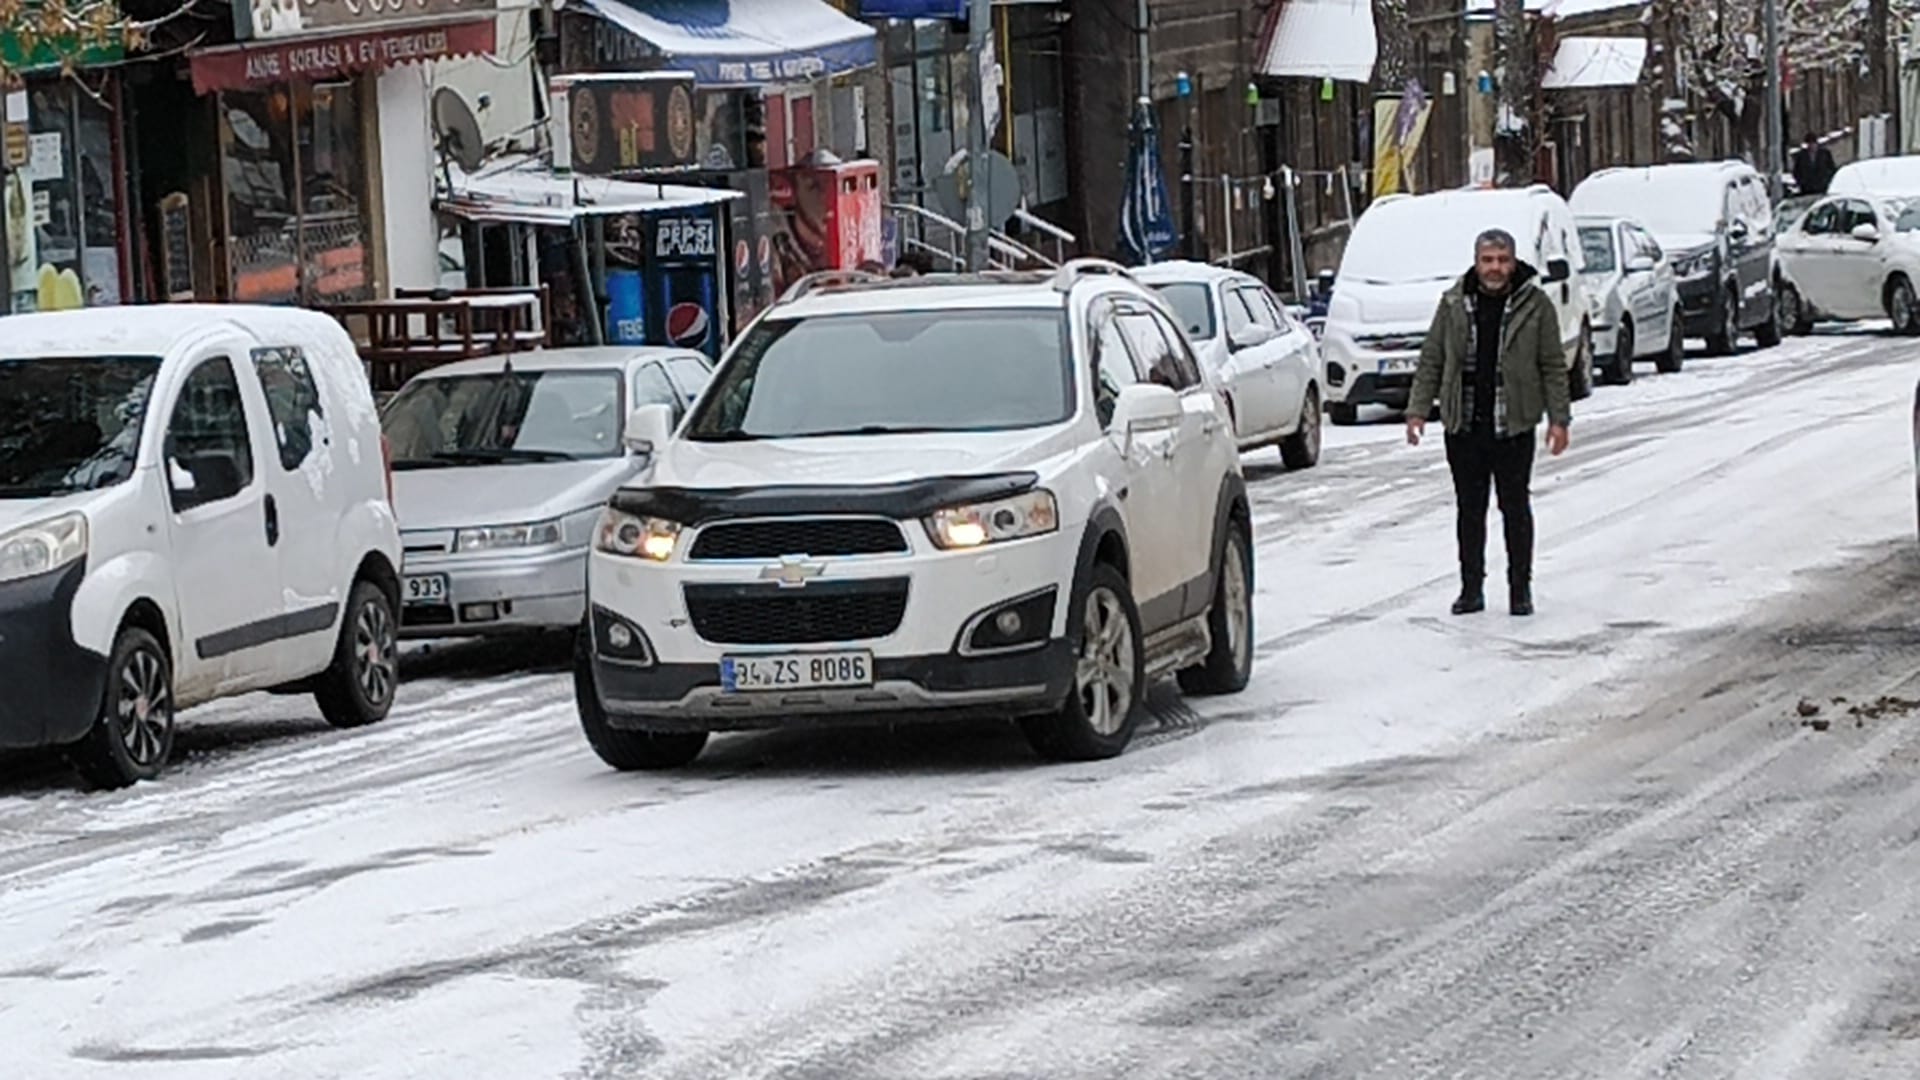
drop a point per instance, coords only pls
(1013, 624)
(1007, 622)
(479, 613)
(619, 636)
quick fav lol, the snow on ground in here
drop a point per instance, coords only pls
(465, 891)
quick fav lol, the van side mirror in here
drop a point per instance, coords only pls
(648, 428)
(206, 477)
(1559, 270)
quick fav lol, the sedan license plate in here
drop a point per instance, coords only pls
(426, 589)
(795, 671)
(1398, 365)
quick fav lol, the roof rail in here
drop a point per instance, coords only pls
(1071, 271)
(826, 278)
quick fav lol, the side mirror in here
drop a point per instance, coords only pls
(1559, 270)
(1738, 233)
(199, 479)
(179, 478)
(1145, 407)
(1867, 232)
(1640, 264)
(648, 428)
(1250, 336)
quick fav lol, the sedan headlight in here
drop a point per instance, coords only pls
(42, 547)
(1698, 264)
(957, 527)
(621, 533)
(497, 537)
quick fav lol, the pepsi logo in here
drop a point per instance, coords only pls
(687, 324)
(742, 257)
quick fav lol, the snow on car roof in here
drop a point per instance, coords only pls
(932, 292)
(584, 358)
(1163, 273)
(149, 329)
(1878, 176)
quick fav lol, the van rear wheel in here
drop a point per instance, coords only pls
(132, 736)
(358, 688)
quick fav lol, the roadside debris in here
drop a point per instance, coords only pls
(1885, 706)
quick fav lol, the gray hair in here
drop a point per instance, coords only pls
(1495, 238)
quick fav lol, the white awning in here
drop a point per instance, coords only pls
(1582, 63)
(524, 190)
(746, 42)
(1320, 39)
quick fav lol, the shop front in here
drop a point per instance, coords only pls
(297, 211)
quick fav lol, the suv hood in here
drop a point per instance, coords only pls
(852, 459)
(523, 493)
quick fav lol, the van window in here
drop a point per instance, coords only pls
(71, 423)
(292, 400)
(207, 439)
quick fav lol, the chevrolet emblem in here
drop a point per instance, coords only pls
(793, 571)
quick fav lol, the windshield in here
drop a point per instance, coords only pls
(1596, 243)
(1667, 204)
(521, 416)
(71, 424)
(890, 372)
(1193, 305)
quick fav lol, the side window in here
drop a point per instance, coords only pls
(1648, 245)
(1113, 366)
(1239, 316)
(1858, 213)
(692, 375)
(1186, 368)
(652, 387)
(1156, 346)
(209, 457)
(1264, 313)
(293, 400)
(1821, 219)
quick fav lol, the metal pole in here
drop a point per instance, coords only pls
(979, 33)
(1189, 200)
(1775, 138)
(1140, 17)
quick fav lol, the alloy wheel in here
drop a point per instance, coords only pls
(1901, 307)
(1239, 606)
(375, 654)
(1105, 672)
(144, 707)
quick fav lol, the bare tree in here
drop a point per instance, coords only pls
(64, 32)
(1516, 129)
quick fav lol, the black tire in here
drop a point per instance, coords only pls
(1580, 374)
(1902, 306)
(1726, 339)
(628, 751)
(1343, 414)
(1671, 361)
(1097, 720)
(1794, 316)
(1769, 333)
(1620, 372)
(358, 688)
(132, 734)
(1301, 450)
(1229, 663)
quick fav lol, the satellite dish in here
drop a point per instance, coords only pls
(456, 134)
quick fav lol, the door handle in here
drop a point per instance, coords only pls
(273, 522)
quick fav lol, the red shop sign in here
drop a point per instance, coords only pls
(245, 66)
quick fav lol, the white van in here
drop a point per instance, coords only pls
(194, 503)
(1404, 253)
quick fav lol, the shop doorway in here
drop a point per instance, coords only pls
(170, 130)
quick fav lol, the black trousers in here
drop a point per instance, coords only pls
(1482, 463)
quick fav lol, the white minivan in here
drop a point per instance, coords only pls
(194, 503)
(1404, 253)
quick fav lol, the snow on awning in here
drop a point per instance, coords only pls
(1319, 39)
(525, 191)
(745, 42)
(1582, 63)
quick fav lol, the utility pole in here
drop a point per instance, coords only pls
(979, 35)
(1775, 139)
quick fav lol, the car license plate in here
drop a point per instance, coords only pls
(426, 589)
(795, 671)
(1398, 364)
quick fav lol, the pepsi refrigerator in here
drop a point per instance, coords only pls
(676, 296)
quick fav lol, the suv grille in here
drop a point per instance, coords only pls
(815, 537)
(772, 615)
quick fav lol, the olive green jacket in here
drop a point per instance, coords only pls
(1533, 362)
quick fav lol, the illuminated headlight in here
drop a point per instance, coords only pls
(1032, 514)
(621, 533)
(496, 537)
(42, 547)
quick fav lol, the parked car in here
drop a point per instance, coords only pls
(1885, 176)
(1405, 251)
(1852, 257)
(1715, 221)
(1012, 497)
(193, 505)
(1254, 349)
(1636, 311)
(502, 467)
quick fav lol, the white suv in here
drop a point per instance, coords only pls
(1009, 495)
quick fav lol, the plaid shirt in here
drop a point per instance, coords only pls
(1472, 365)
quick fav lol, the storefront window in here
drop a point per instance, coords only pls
(61, 207)
(296, 194)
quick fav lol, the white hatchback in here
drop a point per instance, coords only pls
(193, 504)
(1636, 307)
(1011, 496)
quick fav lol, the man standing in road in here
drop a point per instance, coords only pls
(1494, 361)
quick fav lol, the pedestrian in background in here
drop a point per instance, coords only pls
(1494, 361)
(1813, 166)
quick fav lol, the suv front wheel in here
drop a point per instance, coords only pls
(1229, 663)
(1110, 677)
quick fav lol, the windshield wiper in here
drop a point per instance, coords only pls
(728, 436)
(496, 456)
(871, 429)
(406, 464)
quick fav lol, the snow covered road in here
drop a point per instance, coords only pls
(1599, 842)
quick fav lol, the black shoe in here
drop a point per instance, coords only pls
(1470, 601)
(1521, 602)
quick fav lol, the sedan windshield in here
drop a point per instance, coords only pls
(504, 418)
(890, 372)
(1596, 242)
(71, 424)
(1193, 304)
